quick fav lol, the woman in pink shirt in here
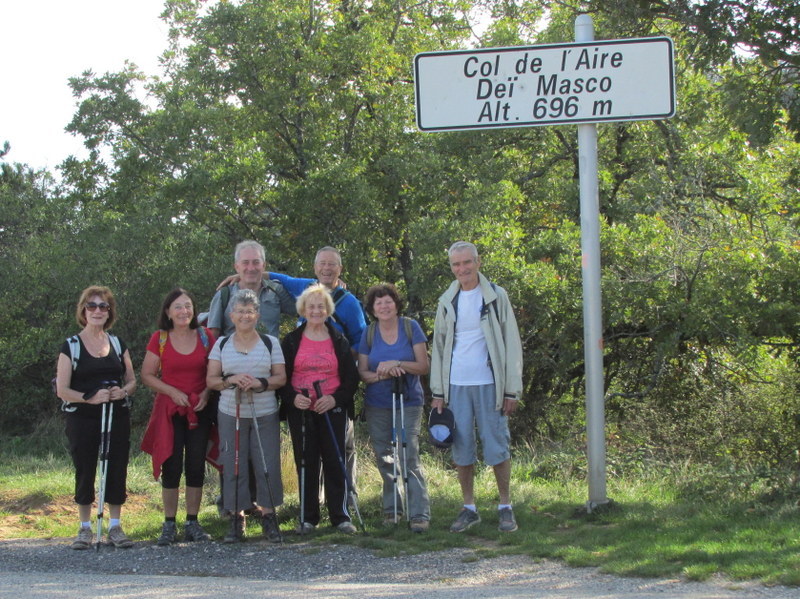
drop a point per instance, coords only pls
(321, 381)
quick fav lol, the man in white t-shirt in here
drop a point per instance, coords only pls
(476, 370)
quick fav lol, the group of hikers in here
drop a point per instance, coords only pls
(222, 389)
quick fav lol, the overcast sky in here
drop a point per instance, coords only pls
(44, 43)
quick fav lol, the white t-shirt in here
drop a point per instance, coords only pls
(470, 365)
(258, 363)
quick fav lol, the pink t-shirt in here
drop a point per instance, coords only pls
(316, 361)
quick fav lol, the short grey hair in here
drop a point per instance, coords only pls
(246, 244)
(246, 297)
(328, 248)
(463, 245)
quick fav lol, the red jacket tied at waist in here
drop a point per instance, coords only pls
(159, 436)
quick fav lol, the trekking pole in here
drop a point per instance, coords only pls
(106, 417)
(395, 457)
(263, 457)
(404, 468)
(348, 483)
(236, 457)
(303, 467)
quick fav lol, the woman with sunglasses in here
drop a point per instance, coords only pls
(95, 370)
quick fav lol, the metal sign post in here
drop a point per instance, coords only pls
(592, 298)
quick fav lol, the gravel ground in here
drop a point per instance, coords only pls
(333, 570)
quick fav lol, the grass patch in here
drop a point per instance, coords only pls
(663, 523)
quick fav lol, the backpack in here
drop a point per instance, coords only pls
(406, 326)
(225, 298)
(75, 355)
(162, 342)
(484, 307)
(338, 295)
(265, 338)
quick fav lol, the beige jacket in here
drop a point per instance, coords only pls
(502, 338)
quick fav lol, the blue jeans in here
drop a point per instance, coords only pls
(379, 425)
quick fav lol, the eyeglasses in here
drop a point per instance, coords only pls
(102, 306)
(245, 312)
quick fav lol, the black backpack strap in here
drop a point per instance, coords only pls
(267, 341)
(406, 327)
(265, 338)
(338, 295)
(493, 303)
(224, 298)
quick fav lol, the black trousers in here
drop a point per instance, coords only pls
(189, 447)
(320, 450)
(83, 436)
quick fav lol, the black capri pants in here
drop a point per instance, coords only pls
(189, 447)
(83, 436)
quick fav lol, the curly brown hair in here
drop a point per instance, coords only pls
(382, 290)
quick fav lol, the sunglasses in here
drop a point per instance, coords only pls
(102, 306)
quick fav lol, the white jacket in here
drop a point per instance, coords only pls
(499, 327)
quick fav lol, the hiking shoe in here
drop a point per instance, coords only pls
(346, 527)
(270, 529)
(169, 534)
(193, 532)
(236, 531)
(507, 521)
(83, 540)
(118, 538)
(419, 525)
(466, 519)
(305, 528)
(389, 520)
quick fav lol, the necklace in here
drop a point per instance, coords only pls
(243, 350)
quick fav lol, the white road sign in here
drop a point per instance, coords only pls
(585, 82)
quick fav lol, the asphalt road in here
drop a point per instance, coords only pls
(546, 581)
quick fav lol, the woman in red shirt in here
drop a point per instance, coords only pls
(175, 368)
